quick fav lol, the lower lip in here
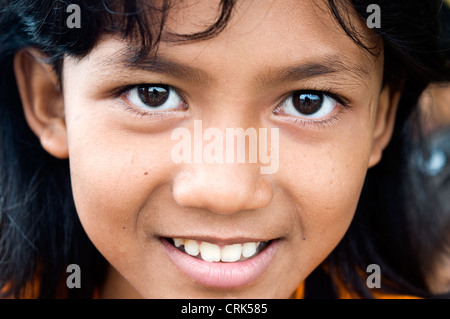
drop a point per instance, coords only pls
(220, 274)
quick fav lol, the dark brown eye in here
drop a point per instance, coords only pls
(153, 96)
(307, 103)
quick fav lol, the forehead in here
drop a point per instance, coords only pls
(260, 34)
(279, 23)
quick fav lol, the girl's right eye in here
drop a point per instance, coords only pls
(154, 97)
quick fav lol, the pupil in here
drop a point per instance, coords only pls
(307, 103)
(153, 95)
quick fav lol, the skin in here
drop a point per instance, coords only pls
(129, 192)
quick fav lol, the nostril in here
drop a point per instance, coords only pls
(222, 189)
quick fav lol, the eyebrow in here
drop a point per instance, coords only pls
(162, 65)
(328, 65)
(331, 65)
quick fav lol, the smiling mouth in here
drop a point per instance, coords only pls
(210, 252)
(221, 263)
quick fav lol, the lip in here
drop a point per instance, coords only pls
(219, 274)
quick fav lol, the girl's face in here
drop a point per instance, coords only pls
(148, 149)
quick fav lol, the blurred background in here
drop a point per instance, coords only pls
(430, 176)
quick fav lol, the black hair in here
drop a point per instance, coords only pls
(40, 233)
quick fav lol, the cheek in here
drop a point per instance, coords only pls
(113, 176)
(324, 184)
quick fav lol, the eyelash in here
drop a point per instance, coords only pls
(320, 124)
(343, 104)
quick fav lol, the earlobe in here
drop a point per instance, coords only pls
(384, 123)
(42, 100)
(54, 139)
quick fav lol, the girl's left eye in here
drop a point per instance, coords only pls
(154, 97)
(308, 105)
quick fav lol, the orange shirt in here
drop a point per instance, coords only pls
(31, 291)
(344, 294)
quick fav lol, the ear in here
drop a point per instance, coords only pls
(42, 100)
(384, 122)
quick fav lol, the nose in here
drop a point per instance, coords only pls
(222, 188)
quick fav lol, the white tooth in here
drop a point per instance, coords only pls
(191, 247)
(178, 242)
(231, 253)
(209, 252)
(249, 249)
